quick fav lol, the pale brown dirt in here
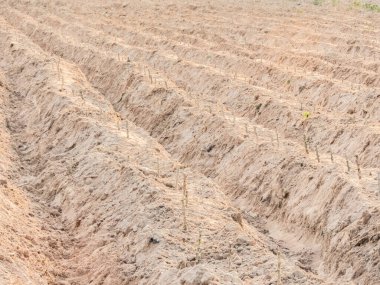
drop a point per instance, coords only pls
(108, 106)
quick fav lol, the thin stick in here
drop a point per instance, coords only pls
(331, 156)
(184, 215)
(279, 282)
(58, 68)
(176, 178)
(348, 165)
(158, 167)
(305, 143)
(185, 193)
(317, 153)
(198, 254)
(230, 256)
(278, 141)
(127, 129)
(358, 166)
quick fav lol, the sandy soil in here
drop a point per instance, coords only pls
(163, 142)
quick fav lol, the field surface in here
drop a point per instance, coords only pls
(189, 142)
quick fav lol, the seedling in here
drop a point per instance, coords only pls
(372, 7)
(318, 2)
(306, 115)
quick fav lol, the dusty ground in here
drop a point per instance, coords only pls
(163, 142)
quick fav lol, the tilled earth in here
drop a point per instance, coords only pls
(189, 142)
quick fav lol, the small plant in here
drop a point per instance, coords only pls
(372, 7)
(306, 114)
(318, 2)
(357, 4)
